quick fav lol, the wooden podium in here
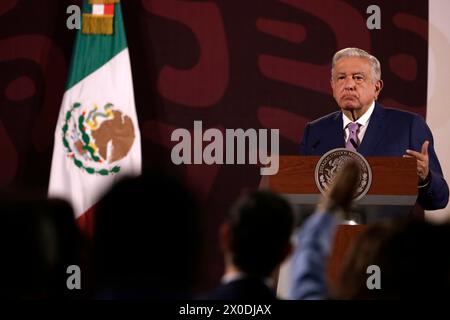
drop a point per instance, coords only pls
(393, 192)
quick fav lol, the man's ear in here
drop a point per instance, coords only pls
(378, 87)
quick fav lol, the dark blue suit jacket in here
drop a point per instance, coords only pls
(390, 133)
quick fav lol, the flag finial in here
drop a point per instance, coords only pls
(101, 19)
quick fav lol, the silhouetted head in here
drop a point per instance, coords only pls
(39, 240)
(146, 236)
(257, 233)
(412, 258)
(362, 253)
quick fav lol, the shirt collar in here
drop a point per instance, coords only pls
(363, 119)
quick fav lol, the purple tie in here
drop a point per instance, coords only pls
(352, 141)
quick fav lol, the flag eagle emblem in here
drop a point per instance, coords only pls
(95, 139)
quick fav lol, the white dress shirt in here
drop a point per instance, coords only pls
(363, 122)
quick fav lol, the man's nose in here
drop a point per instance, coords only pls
(349, 83)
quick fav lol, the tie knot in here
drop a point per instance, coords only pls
(353, 126)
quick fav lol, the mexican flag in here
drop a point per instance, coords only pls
(97, 137)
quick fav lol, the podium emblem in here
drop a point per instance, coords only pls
(333, 161)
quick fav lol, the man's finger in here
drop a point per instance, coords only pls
(425, 147)
(415, 154)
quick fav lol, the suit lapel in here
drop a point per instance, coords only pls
(335, 134)
(374, 131)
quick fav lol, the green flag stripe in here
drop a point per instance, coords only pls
(93, 51)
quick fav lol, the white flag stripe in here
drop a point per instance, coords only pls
(98, 9)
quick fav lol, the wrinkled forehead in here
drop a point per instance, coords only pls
(352, 65)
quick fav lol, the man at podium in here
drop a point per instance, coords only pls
(365, 126)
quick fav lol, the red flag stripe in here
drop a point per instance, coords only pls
(109, 9)
(85, 222)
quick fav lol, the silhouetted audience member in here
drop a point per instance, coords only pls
(255, 240)
(360, 255)
(39, 241)
(146, 239)
(412, 258)
(72, 251)
(411, 254)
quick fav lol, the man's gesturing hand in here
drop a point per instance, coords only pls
(422, 161)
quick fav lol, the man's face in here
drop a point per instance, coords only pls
(354, 87)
